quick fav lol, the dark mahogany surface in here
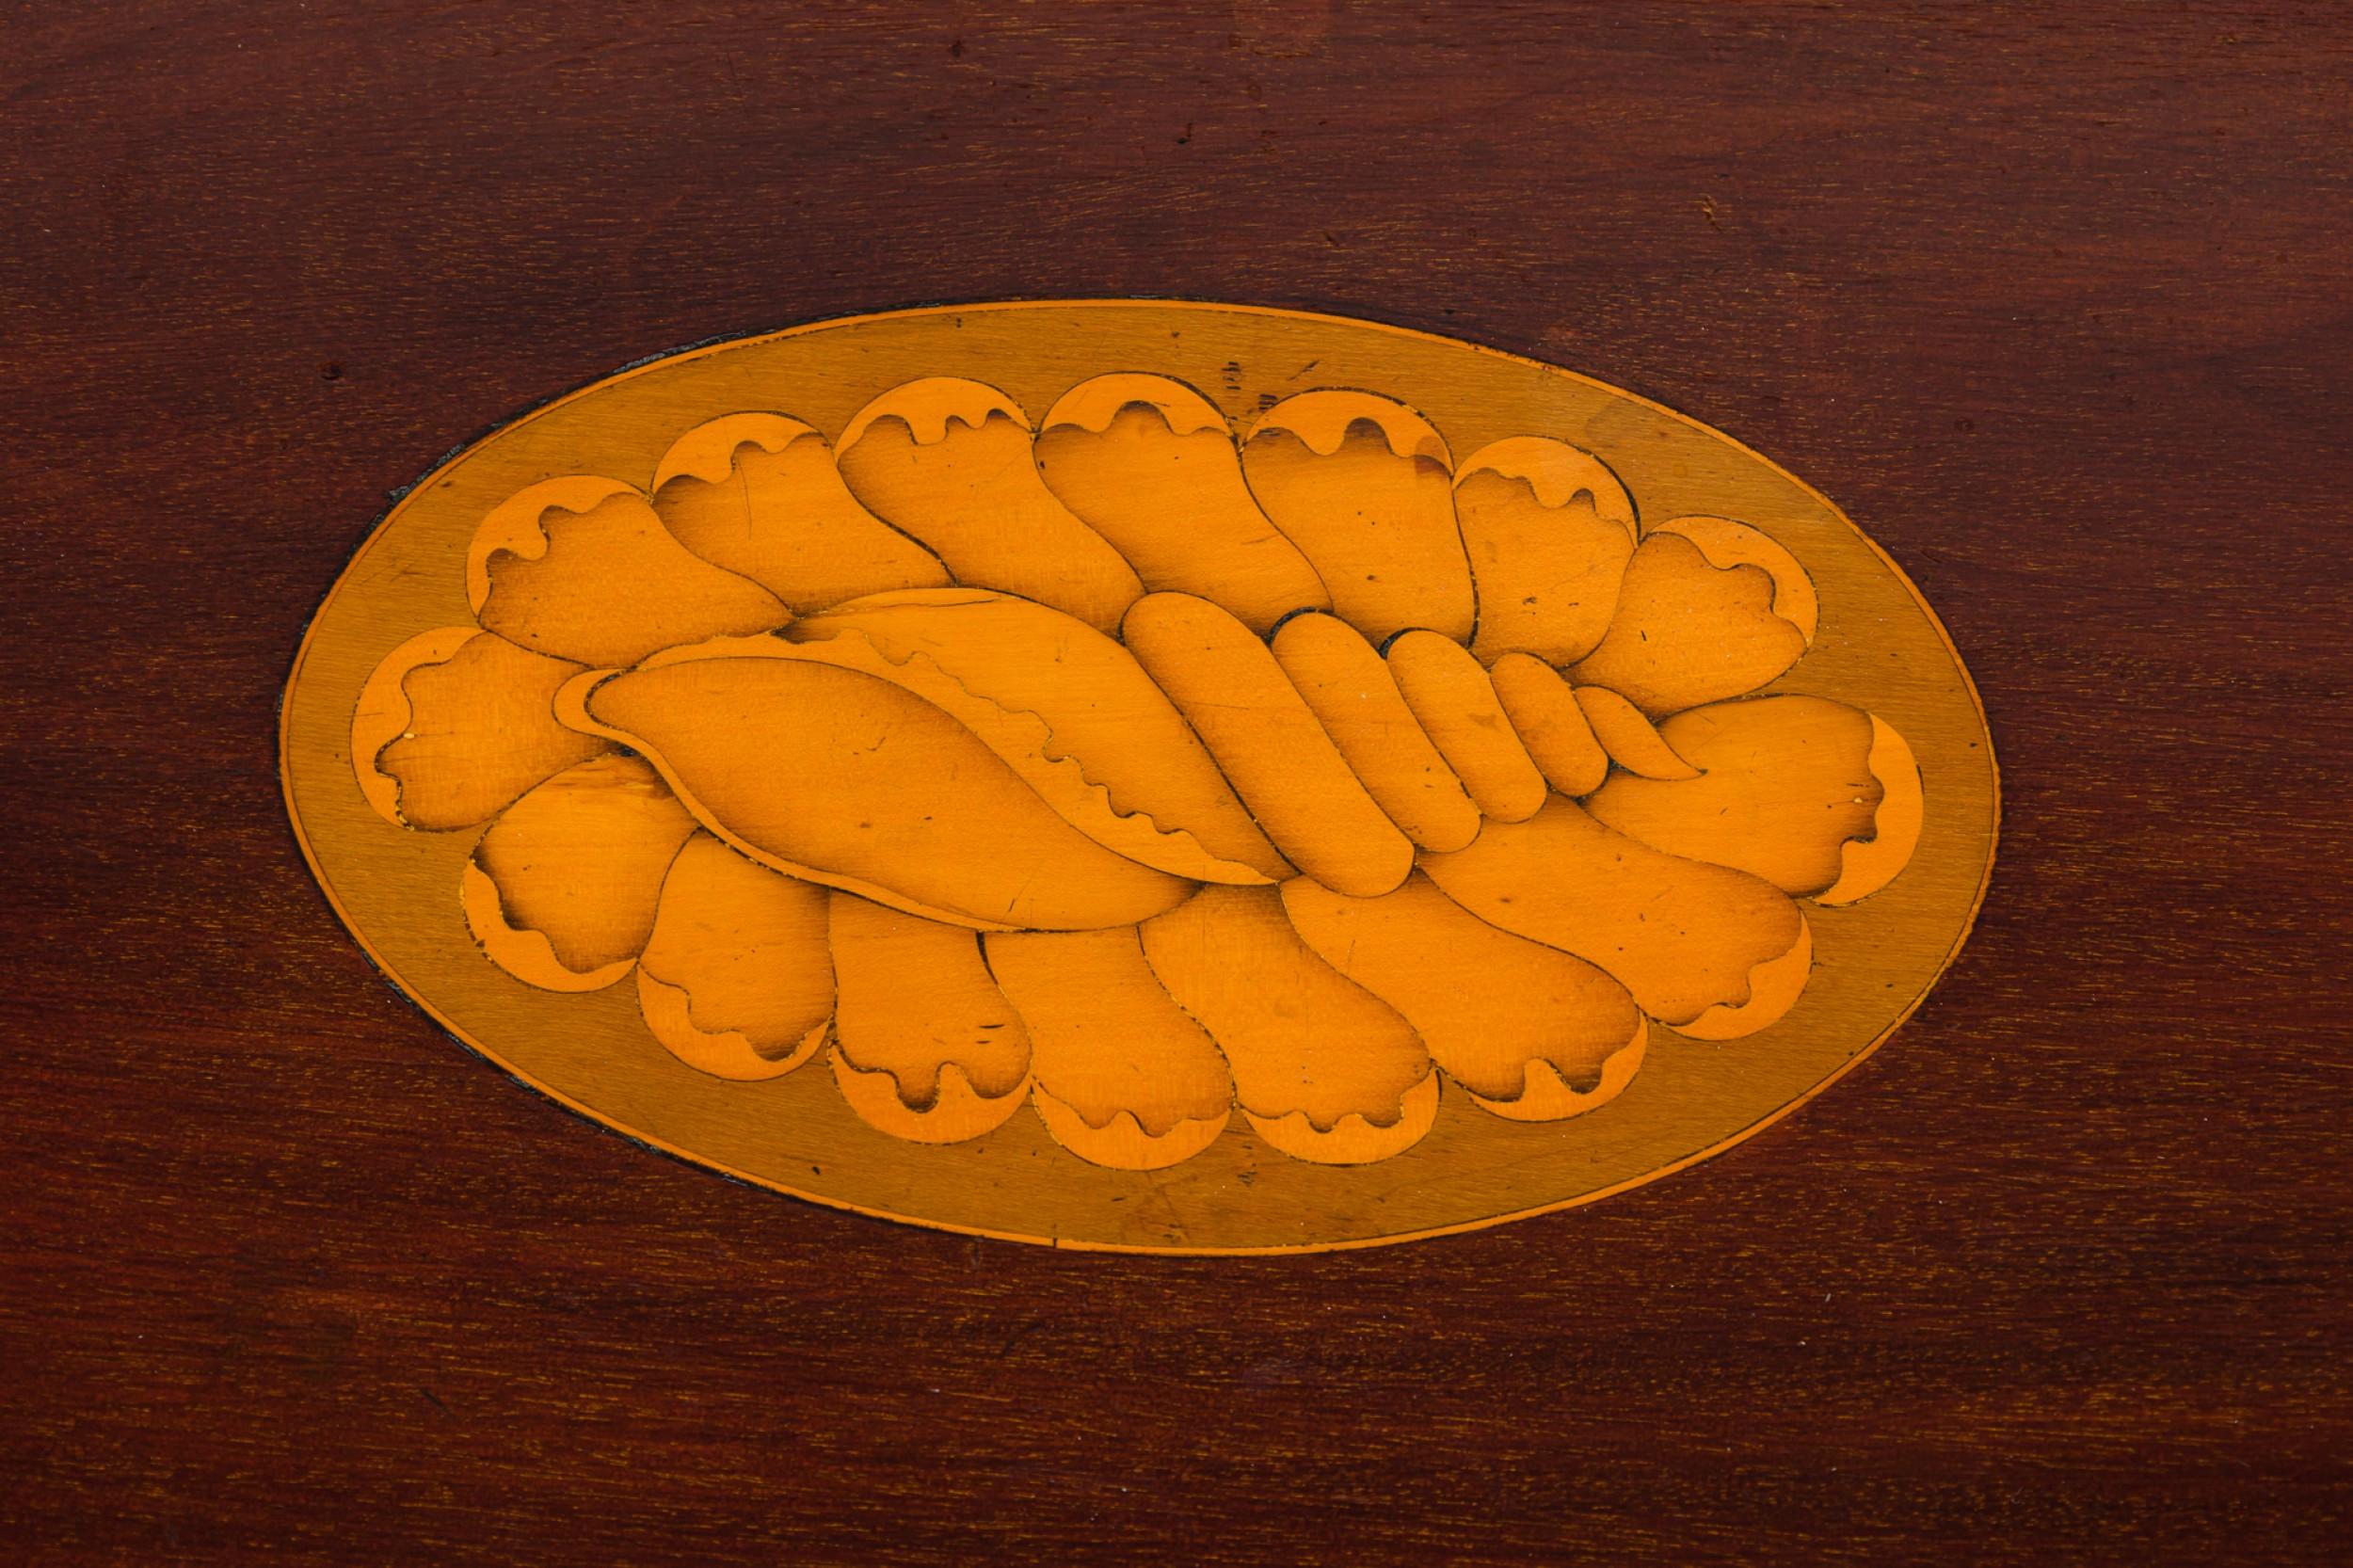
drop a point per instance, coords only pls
(2056, 301)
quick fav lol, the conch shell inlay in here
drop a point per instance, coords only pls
(1184, 773)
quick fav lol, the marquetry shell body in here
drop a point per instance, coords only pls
(1141, 778)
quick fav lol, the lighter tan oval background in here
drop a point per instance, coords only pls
(1880, 648)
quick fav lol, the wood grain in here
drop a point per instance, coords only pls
(2053, 303)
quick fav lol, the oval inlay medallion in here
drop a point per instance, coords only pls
(1143, 776)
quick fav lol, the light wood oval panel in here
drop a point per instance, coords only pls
(983, 746)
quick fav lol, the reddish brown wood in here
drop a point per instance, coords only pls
(2053, 302)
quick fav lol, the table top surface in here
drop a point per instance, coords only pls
(2053, 306)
